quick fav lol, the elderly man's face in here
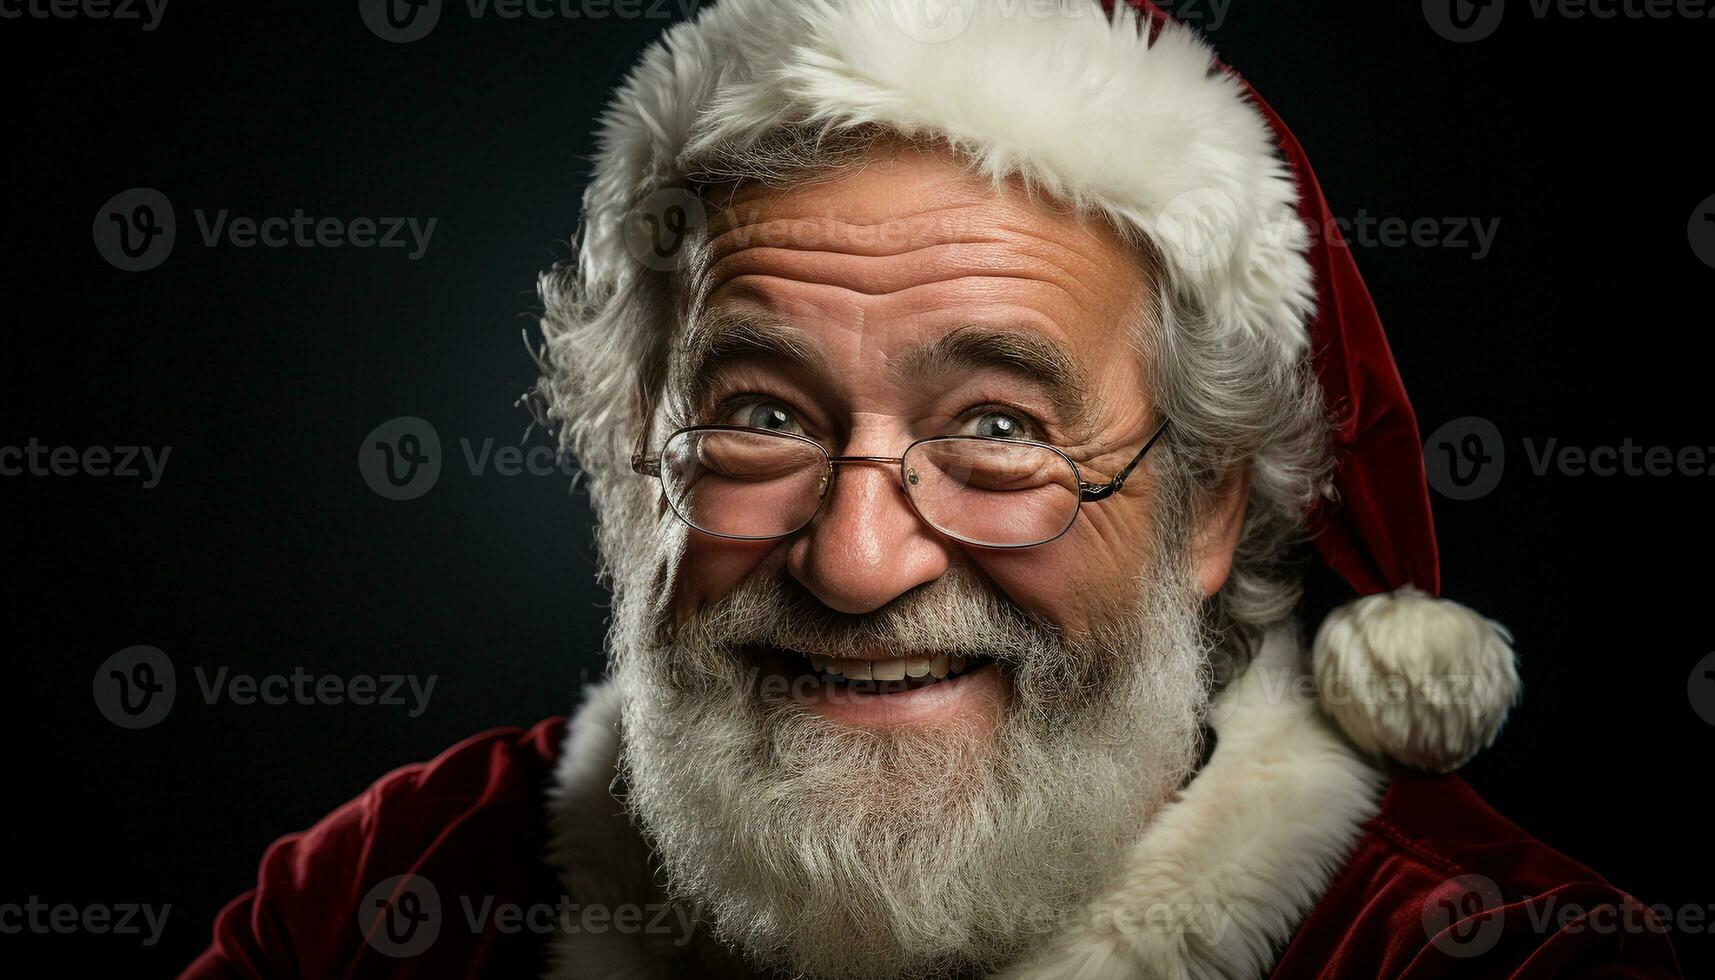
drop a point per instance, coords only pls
(922, 826)
(865, 272)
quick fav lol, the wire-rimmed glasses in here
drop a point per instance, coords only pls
(755, 484)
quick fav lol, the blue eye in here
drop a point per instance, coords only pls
(999, 425)
(766, 415)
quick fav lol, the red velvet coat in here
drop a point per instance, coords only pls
(472, 821)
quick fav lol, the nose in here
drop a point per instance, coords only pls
(866, 545)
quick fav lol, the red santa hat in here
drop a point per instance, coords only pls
(1127, 111)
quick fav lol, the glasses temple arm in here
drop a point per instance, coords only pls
(648, 464)
(1089, 492)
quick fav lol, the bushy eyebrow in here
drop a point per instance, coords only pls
(725, 333)
(1022, 351)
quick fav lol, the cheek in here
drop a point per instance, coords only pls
(712, 567)
(1070, 579)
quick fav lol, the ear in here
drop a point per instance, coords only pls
(1217, 529)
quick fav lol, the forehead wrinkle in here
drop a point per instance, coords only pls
(974, 346)
(812, 230)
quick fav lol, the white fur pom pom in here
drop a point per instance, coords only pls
(1423, 681)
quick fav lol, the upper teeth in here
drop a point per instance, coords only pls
(892, 669)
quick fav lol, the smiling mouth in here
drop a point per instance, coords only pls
(874, 677)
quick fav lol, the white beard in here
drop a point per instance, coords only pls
(832, 851)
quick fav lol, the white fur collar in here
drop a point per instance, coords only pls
(1213, 888)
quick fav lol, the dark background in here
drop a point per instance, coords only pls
(262, 549)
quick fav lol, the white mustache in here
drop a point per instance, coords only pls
(957, 614)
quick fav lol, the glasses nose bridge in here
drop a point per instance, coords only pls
(837, 461)
(824, 492)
